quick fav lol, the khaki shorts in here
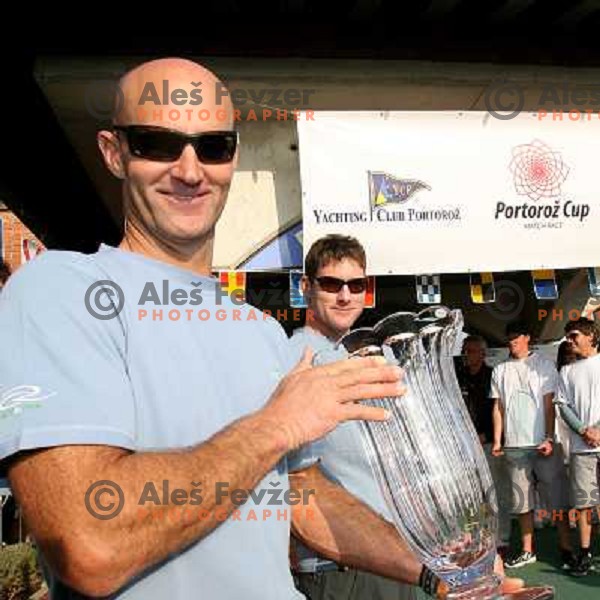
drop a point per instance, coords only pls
(583, 471)
(528, 469)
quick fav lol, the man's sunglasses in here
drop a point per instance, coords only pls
(333, 285)
(161, 144)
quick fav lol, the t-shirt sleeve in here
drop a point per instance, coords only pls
(63, 375)
(549, 378)
(494, 391)
(564, 395)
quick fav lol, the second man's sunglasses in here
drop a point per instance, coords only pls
(161, 144)
(333, 285)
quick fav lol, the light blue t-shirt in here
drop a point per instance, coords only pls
(153, 382)
(342, 456)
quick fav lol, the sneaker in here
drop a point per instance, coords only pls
(569, 560)
(585, 564)
(520, 560)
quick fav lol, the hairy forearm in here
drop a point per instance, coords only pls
(109, 552)
(340, 527)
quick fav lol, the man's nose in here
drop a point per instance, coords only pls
(344, 294)
(188, 168)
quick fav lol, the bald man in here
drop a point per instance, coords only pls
(148, 452)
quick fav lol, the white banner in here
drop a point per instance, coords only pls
(447, 192)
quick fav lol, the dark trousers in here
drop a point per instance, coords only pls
(352, 585)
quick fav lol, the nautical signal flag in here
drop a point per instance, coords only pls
(297, 298)
(544, 284)
(233, 282)
(594, 280)
(482, 288)
(370, 293)
(429, 289)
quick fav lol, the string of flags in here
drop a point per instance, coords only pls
(428, 287)
(544, 284)
(594, 280)
(233, 282)
(483, 290)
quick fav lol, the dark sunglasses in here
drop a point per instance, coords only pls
(333, 285)
(161, 144)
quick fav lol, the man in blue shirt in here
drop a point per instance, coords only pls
(335, 285)
(145, 418)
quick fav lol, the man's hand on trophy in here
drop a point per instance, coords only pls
(312, 400)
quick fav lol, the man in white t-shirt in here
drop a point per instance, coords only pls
(580, 391)
(523, 388)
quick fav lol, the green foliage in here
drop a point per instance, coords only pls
(20, 576)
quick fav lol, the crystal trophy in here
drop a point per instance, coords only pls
(427, 457)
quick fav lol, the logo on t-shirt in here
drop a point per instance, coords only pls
(14, 400)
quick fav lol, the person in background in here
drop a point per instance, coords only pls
(523, 388)
(579, 392)
(335, 284)
(565, 355)
(474, 377)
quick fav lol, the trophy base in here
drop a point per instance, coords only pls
(488, 589)
(532, 593)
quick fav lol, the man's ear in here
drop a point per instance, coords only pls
(305, 285)
(111, 152)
